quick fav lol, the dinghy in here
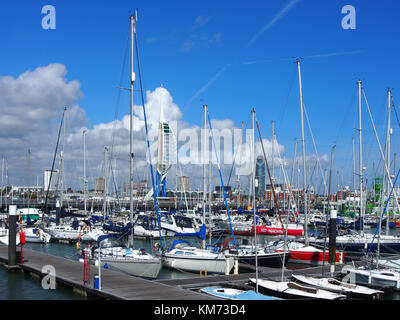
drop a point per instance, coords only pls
(293, 290)
(334, 285)
(236, 294)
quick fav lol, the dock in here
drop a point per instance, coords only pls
(119, 286)
(114, 285)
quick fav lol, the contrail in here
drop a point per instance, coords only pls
(280, 15)
(224, 68)
(323, 55)
(209, 83)
(333, 54)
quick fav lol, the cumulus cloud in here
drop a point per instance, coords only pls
(32, 106)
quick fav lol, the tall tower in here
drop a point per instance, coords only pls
(165, 153)
(260, 177)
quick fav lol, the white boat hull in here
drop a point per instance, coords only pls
(204, 264)
(145, 268)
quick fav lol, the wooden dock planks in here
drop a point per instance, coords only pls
(115, 285)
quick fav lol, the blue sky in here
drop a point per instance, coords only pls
(200, 52)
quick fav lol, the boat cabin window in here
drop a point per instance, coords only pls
(190, 254)
(167, 219)
(183, 222)
(179, 252)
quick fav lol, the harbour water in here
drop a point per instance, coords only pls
(16, 285)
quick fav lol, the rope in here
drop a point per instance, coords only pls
(147, 139)
(383, 213)
(380, 149)
(222, 181)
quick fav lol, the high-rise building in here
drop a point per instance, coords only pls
(99, 185)
(184, 183)
(50, 185)
(260, 177)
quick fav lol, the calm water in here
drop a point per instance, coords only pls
(20, 286)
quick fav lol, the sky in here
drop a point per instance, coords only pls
(231, 55)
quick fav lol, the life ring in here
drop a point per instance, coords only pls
(155, 246)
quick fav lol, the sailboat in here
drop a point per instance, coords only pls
(331, 284)
(293, 290)
(186, 257)
(367, 274)
(109, 253)
(133, 262)
(36, 235)
(305, 254)
(289, 289)
(354, 242)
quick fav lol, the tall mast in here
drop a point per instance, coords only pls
(84, 172)
(2, 181)
(29, 178)
(62, 167)
(388, 133)
(354, 177)
(254, 195)
(203, 243)
(273, 158)
(304, 156)
(360, 158)
(105, 182)
(132, 19)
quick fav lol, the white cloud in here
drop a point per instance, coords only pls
(32, 106)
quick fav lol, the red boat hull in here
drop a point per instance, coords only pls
(278, 231)
(312, 257)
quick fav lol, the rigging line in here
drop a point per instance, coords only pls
(291, 82)
(54, 159)
(315, 147)
(286, 179)
(119, 92)
(220, 175)
(180, 170)
(380, 149)
(395, 111)
(383, 213)
(269, 175)
(233, 164)
(147, 138)
(115, 186)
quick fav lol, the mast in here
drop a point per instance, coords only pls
(304, 155)
(254, 196)
(203, 242)
(132, 24)
(84, 172)
(29, 178)
(360, 158)
(2, 181)
(388, 133)
(105, 182)
(354, 178)
(273, 158)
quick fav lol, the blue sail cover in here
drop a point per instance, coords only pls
(201, 234)
(240, 210)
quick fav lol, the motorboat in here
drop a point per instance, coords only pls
(185, 257)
